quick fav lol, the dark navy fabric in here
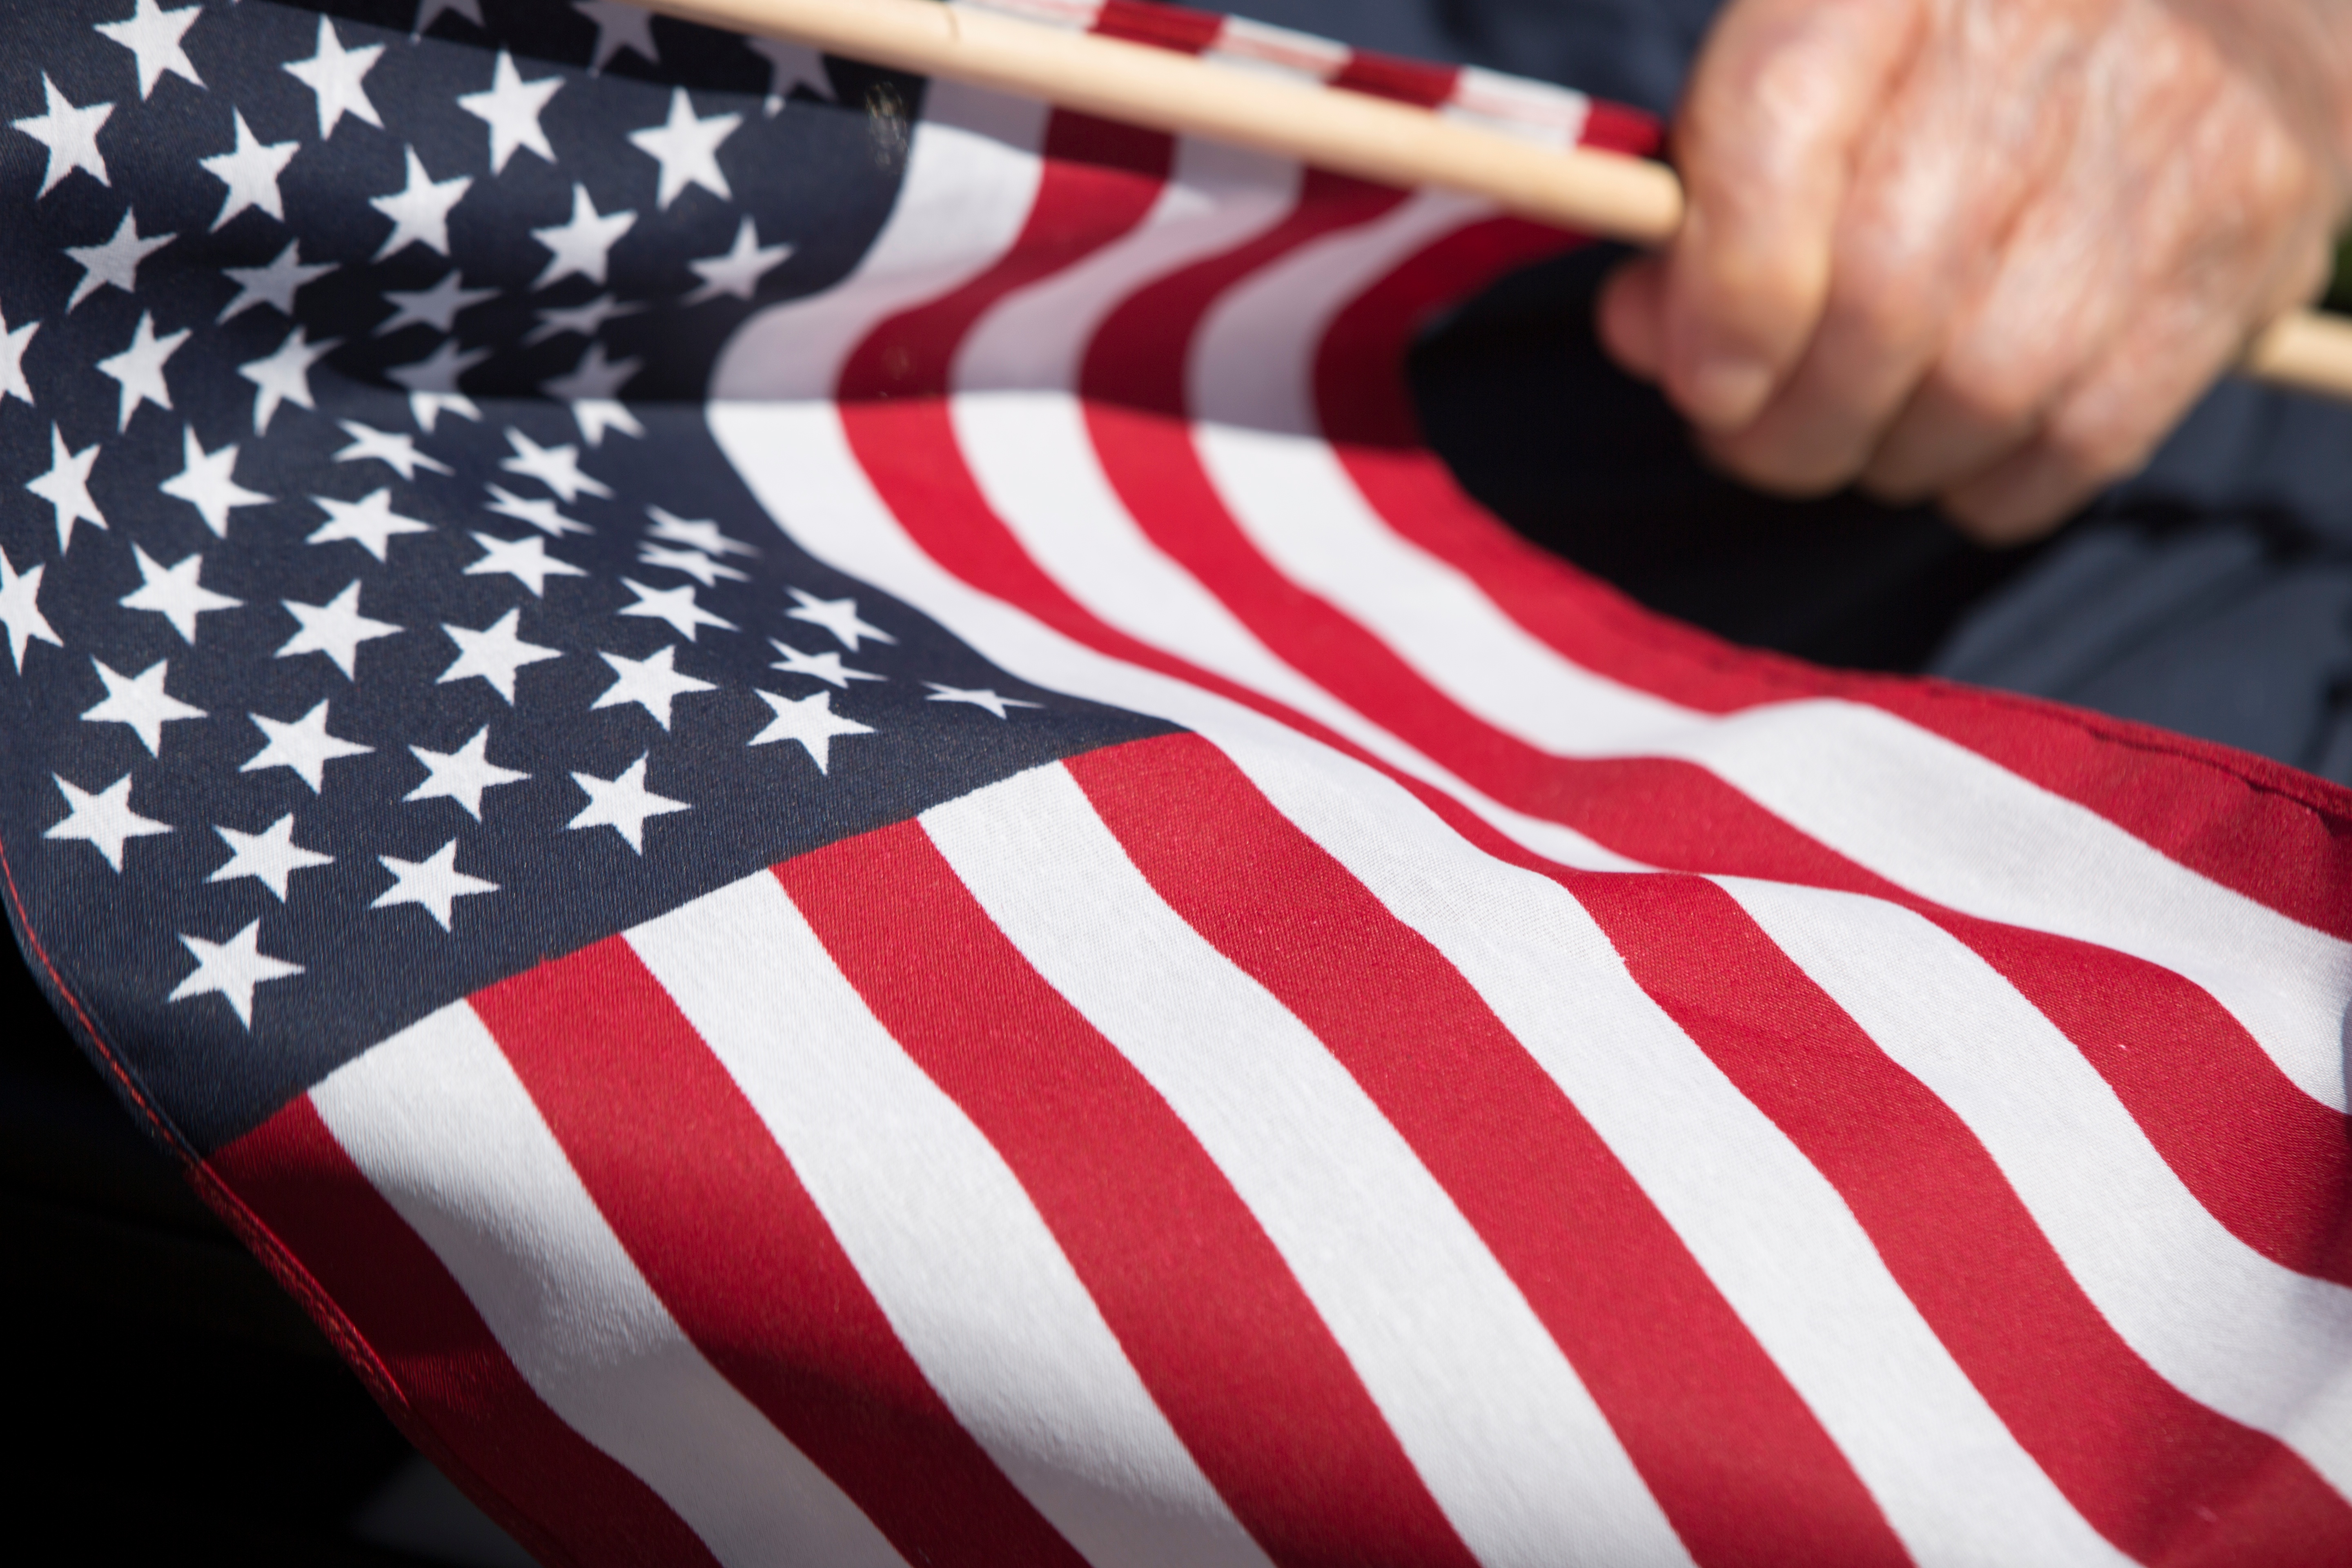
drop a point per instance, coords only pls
(2212, 594)
(511, 506)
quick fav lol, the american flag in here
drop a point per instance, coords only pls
(795, 786)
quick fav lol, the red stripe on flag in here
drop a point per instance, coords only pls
(1172, 27)
(2279, 837)
(467, 1404)
(2270, 1164)
(1100, 180)
(713, 1216)
(2161, 1476)
(1205, 1307)
(1661, 1351)
(2216, 1118)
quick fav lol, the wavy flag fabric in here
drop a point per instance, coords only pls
(795, 786)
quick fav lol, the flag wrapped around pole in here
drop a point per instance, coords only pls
(796, 785)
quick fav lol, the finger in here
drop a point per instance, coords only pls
(1630, 315)
(1931, 211)
(2051, 310)
(2103, 428)
(1905, 271)
(1782, 95)
(2183, 285)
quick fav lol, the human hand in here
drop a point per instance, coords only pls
(1985, 251)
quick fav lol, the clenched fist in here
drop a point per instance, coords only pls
(1984, 251)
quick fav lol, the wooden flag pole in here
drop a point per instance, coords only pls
(1605, 193)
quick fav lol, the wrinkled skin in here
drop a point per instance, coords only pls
(1984, 251)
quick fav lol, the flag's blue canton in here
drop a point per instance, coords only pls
(380, 617)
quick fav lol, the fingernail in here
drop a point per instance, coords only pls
(1725, 391)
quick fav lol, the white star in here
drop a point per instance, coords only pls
(419, 210)
(696, 533)
(810, 722)
(525, 560)
(304, 746)
(334, 75)
(141, 702)
(139, 369)
(580, 247)
(826, 666)
(207, 481)
(11, 359)
(335, 628)
(838, 617)
(693, 563)
(596, 377)
(622, 804)
(587, 319)
(618, 27)
(72, 136)
(432, 382)
(231, 970)
(66, 487)
(20, 610)
(538, 512)
(152, 37)
(369, 522)
(598, 414)
(396, 449)
(511, 106)
(790, 65)
(436, 307)
(430, 11)
(588, 392)
(283, 375)
(688, 150)
(557, 468)
(493, 655)
(651, 683)
(270, 857)
(275, 284)
(174, 594)
(250, 171)
(979, 698)
(675, 605)
(116, 262)
(436, 884)
(461, 775)
(739, 270)
(105, 820)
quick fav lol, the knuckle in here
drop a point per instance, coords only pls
(2096, 445)
(1885, 308)
(1992, 392)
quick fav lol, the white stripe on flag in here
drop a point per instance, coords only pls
(971, 172)
(2262, 1344)
(1258, 438)
(1931, 816)
(772, 415)
(2030, 1522)
(441, 1126)
(1023, 433)
(1924, 813)
(1215, 199)
(939, 1229)
(1769, 1229)
(1498, 1424)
